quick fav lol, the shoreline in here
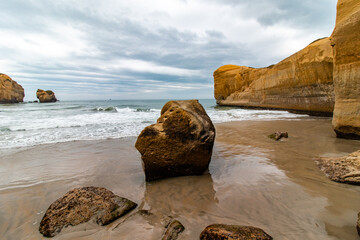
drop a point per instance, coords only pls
(252, 180)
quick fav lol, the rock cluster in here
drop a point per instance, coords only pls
(179, 144)
(80, 205)
(45, 96)
(344, 169)
(233, 232)
(10, 91)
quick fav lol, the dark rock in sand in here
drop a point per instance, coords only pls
(278, 135)
(45, 96)
(344, 169)
(179, 144)
(233, 232)
(80, 205)
(358, 224)
(173, 230)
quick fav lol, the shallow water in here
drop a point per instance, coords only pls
(252, 180)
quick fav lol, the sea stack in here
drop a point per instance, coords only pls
(10, 91)
(346, 44)
(45, 96)
(179, 144)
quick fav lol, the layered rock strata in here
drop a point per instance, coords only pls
(301, 82)
(179, 144)
(45, 96)
(80, 205)
(233, 232)
(346, 44)
(344, 169)
(10, 91)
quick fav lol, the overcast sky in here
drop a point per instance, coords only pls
(139, 49)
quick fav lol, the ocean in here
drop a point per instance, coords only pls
(30, 124)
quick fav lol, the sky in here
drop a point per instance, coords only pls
(140, 49)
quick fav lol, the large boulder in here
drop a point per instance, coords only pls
(10, 91)
(302, 82)
(179, 144)
(45, 96)
(346, 44)
(80, 205)
(344, 169)
(233, 232)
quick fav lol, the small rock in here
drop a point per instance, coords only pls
(278, 135)
(173, 230)
(358, 224)
(233, 232)
(80, 205)
(344, 169)
(45, 96)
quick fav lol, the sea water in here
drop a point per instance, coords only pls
(30, 124)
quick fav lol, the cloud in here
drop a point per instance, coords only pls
(149, 49)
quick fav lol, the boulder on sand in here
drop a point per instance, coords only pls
(80, 205)
(233, 232)
(179, 144)
(45, 96)
(344, 169)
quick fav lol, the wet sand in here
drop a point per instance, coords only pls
(252, 180)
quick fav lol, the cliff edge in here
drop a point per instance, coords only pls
(10, 91)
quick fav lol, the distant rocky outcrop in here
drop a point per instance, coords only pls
(346, 44)
(179, 144)
(301, 82)
(80, 205)
(10, 91)
(233, 232)
(45, 96)
(344, 169)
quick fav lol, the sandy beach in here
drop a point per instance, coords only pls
(252, 180)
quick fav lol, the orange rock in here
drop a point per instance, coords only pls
(302, 82)
(346, 44)
(10, 91)
(45, 96)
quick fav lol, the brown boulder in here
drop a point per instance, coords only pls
(10, 91)
(302, 82)
(45, 96)
(344, 169)
(80, 205)
(179, 144)
(346, 44)
(233, 232)
(358, 224)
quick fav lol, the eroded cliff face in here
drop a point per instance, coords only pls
(301, 82)
(346, 44)
(10, 91)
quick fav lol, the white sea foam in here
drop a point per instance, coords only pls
(33, 124)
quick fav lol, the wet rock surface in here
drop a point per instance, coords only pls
(80, 205)
(179, 144)
(278, 135)
(233, 232)
(343, 169)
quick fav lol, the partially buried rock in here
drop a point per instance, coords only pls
(173, 230)
(233, 232)
(45, 96)
(179, 144)
(344, 169)
(80, 205)
(278, 135)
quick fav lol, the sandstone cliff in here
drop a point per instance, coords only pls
(10, 91)
(346, 44)
(301, 82)
(45, 96)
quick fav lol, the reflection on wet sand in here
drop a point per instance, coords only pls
(252, 180)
